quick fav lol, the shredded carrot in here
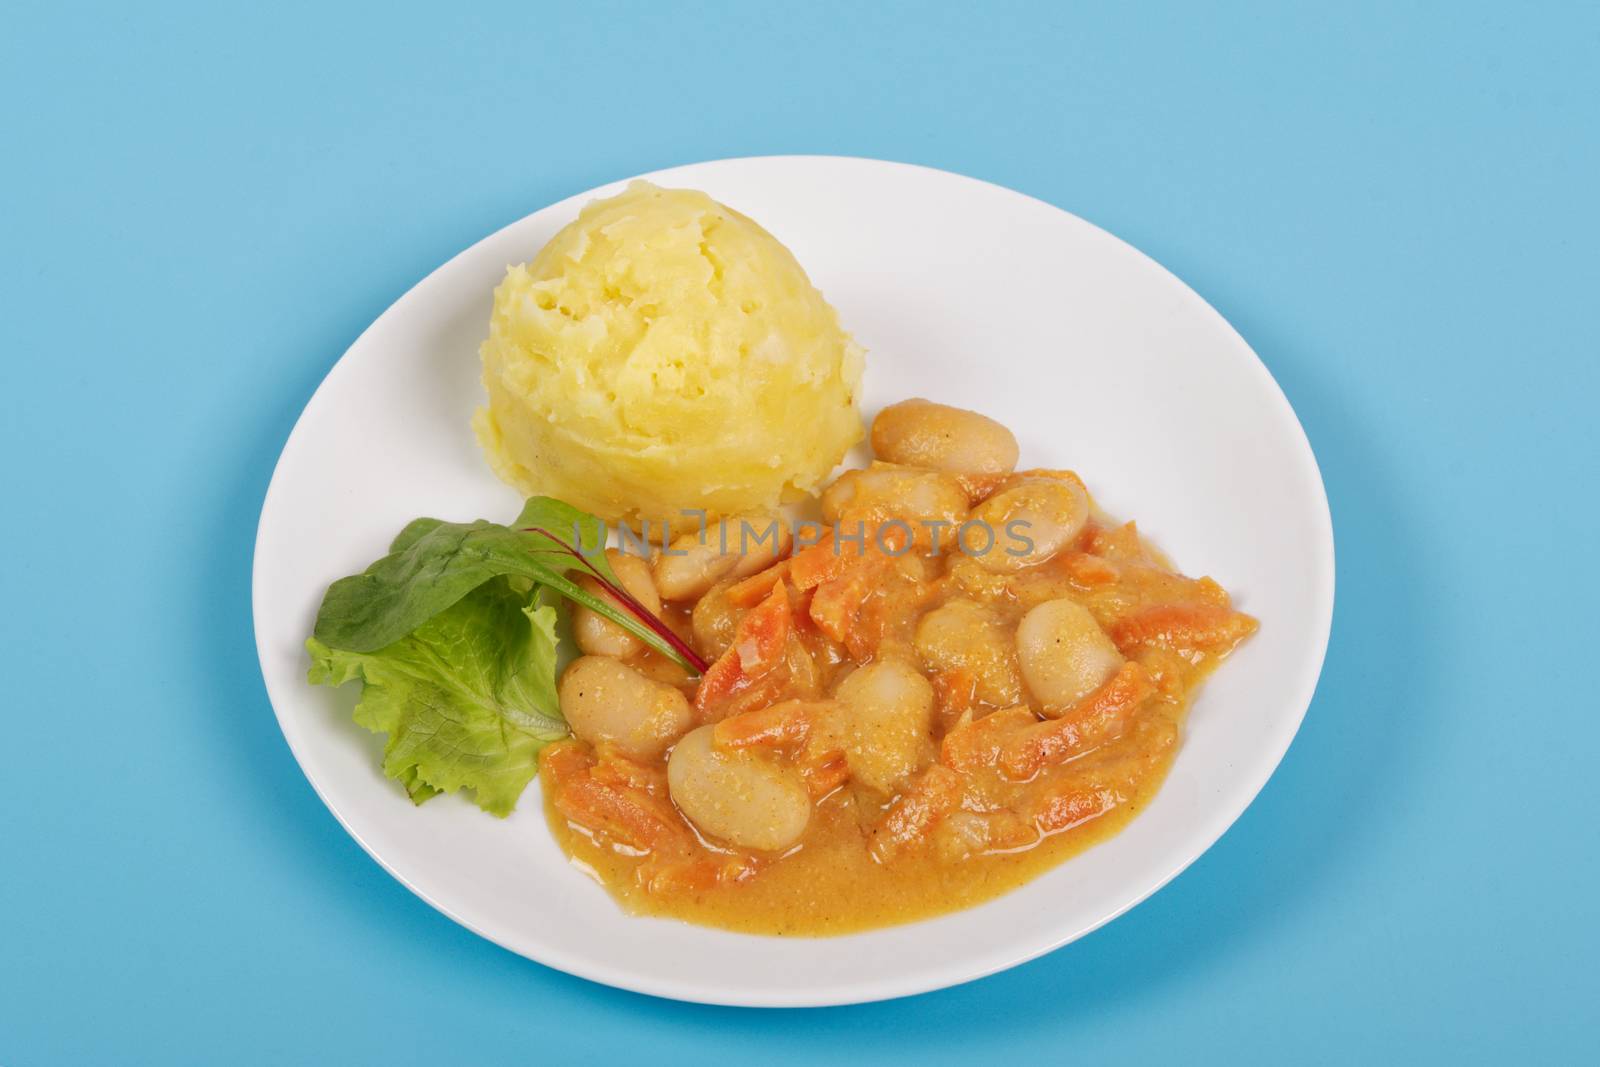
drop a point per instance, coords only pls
(1090, 570)
(1097, 717)
(930, 797)
(824, 771)
(627, 815)
(837, 602)
(955, 692)
(867, 630)
(563, 761)
(978, 743)
(759, 643)
(617, 770)
(1194, 627)
(783, 725)
(818, 563)
(1122, 545)
(1063, 809)
(754, 589)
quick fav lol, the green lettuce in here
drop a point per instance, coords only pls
(467, 697)
(432, 564)
(455, 647)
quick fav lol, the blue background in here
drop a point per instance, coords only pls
(203, 206)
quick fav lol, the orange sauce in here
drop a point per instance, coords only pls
(996, 829)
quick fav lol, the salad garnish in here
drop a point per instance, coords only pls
(453, 637)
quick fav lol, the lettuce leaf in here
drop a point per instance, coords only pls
(433, 564)
(467, 698)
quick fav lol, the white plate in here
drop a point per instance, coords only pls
(961, 291)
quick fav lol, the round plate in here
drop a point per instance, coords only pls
(961, 291)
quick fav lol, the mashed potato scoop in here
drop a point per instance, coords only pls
(664, 352)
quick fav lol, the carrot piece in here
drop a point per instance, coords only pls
(1195, 627)
(824, 772)
(1063, 809)
(903, 592)
(756, 588)
(615, 769)
(817, 563)
(935, 793)
(563, 761)
(979, 742)
(891, 538)
(760, 638)
(866, 630)
(837, 602)
(626, 815)
(759, 643)
(719, 683)
(1096, 718)
(758, 692)
(784, 725)
(1122, 544)
(954, 692)
(833, 607)
(1090, 570)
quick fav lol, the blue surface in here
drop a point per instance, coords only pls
(203, 207)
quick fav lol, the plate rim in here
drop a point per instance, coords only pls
(931, 978)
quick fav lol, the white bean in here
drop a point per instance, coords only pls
(689, 566)
(740, 797)
(1026, 524)
(713, 620)
(759, 541)
(734, 548)
(605, 701)
(1063, 654)
(598, 635)
(884, 492)
(886, 714)
(965, 635)
(920, 433)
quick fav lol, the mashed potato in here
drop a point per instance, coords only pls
(664, 352)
